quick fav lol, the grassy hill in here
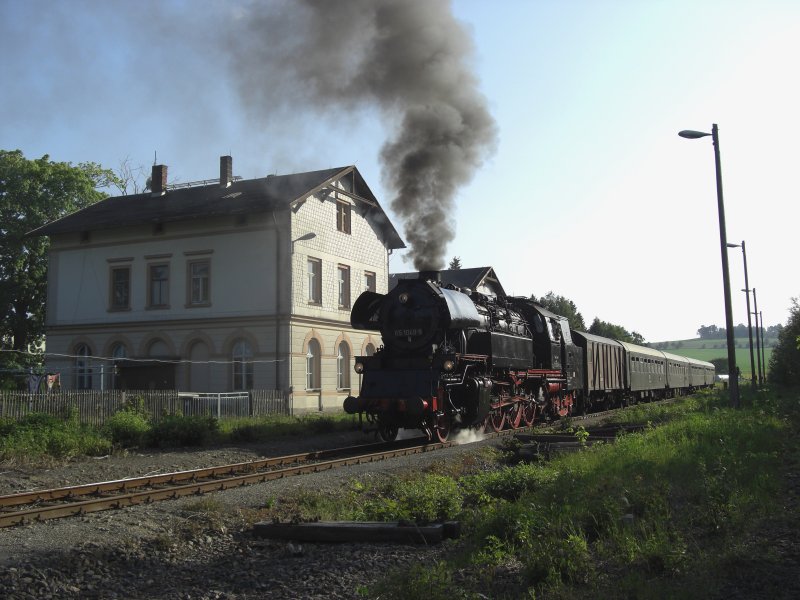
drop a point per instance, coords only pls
(710, 349)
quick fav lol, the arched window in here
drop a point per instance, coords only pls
(313, 365)
(343, 367)
(369, 350)
(118, 353)
(242, 356)
(83, 367)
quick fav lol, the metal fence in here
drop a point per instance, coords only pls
(94, 407)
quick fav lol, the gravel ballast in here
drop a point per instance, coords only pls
(173, 550)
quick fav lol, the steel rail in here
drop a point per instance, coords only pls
(131, 499)
(227, 478)
(131, 483)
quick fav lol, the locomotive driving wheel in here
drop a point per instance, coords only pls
(528, 411)
(515, 414)
(387, 431)
(442, 427)
(495, 419)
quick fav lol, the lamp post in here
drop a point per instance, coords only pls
(763, 355)
(758, 343)
(746, 290)
(733, 376)
(763, 374)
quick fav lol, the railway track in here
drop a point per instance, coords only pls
(40, 505)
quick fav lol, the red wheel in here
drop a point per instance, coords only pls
(514, 417)
(565, 405)
(442, 428)
(495, 420)
(528, 412)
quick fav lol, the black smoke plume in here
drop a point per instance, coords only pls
(411, 60)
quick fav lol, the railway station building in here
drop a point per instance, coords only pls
(217, 286)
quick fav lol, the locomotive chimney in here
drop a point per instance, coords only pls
(434, 276)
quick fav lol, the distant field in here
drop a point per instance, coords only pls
(699, 344)
(710, 349)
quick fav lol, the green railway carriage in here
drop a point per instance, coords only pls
(677, 372)
(701, 373)
(645, 371)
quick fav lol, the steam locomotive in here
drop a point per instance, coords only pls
(453, 357)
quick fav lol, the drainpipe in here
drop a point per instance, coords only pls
(277, 299)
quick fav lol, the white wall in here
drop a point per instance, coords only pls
(243, 274)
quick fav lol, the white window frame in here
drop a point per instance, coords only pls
(343, 285)
(343, 367)
(119, 351)
(113, 304)
(242, 365)
(343, 216)
(313, 365)
(83, 367)
(314, 280)
(199, 295)
(370, 281)
(161, 289)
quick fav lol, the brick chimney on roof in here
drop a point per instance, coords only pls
(225, 171)
(158, 180)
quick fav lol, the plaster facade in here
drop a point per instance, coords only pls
(221, 303)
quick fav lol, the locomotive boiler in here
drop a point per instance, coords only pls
(455, 357)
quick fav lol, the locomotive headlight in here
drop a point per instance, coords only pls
(358, 367)
(449, 365)
(403, 298)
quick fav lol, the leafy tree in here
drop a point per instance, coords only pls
(455, 264)
(711, 332)
(615, 332)
(784, 365)
(720, 365)
(33, 193)
(564, 307)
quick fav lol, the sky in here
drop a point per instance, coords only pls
(587, 192)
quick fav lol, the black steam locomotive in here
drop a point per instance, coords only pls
(457, 358)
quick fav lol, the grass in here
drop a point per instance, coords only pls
(671, 512)
(37, 436)
(711, 349)
(40, 438)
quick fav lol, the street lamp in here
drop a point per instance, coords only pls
(763, 347)
(733, 377)
(762, 376)
(746, 290)
(758, 343)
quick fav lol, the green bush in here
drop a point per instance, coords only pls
(38, 435)
(127, 429)
(174, 431)
(784, 364)
(422, 500)
(508, 483)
